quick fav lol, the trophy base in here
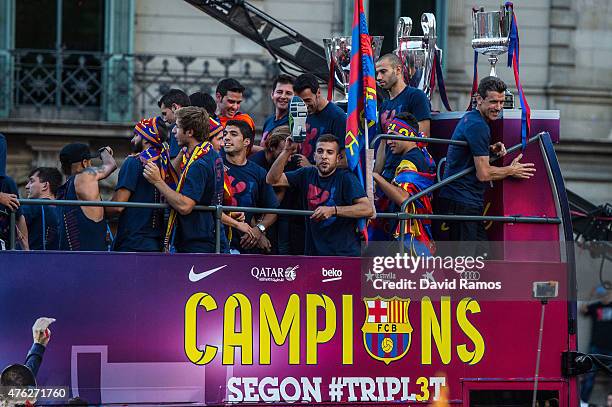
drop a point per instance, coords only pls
(508, 100)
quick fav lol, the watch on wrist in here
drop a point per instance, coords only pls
(261, 227)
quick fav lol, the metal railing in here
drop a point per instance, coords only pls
(402, 215)
(62, 84)
(219, 209)
(438, 185)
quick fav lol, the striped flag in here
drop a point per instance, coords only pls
(361, 104)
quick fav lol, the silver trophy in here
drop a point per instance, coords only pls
(417, 52)
(338, 49)
(492, 37)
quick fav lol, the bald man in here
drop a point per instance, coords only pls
(402, 98)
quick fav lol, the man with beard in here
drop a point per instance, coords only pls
(402, 98)
(465, 195)
(141, 229)
(248, 188)
(200, 183)
(323, 117)
(229, 96)
(334, 194)
(42, 220)
(282, 92)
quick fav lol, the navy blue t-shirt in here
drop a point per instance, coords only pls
(36, 216)
(8, 186)
(411, 100)
(467, 190)
(195, 233)
(259, 158)
(271, 123)
(249, 189)
(336, 236)
(139, 229)
(330, 120)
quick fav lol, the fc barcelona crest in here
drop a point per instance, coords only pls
(387, 332)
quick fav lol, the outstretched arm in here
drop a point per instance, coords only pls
(487, 172)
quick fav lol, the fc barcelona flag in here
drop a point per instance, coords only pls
(361, 101)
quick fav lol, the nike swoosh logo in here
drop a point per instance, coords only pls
(195, 277)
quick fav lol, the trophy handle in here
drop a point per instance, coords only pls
(428, 23)
(404, 28)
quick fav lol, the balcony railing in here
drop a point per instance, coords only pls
(50, 84)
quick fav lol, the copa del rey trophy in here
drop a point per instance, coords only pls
(338, 53)
(417, 53)
(492, 38)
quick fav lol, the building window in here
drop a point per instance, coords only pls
(58, 56)
(381, 23)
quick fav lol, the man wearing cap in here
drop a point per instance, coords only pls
(83, 228)
(141, 229)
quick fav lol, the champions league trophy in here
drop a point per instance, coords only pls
(417, 52)
(338, 51)
(492, 37)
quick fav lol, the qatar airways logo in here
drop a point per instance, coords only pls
(275, 274)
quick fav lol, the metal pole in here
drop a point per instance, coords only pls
(13, 224)
(461, 174)
(218, 213)
(537, 371)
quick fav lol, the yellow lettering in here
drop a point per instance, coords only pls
(424, 396)
(347, 329)
(313, 335)
(440, 331)
(473, 357)
(194, 354)
(243, 338)
(288, 327)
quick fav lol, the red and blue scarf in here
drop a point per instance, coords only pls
(159, 152)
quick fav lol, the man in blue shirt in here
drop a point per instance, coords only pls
(200, 183)
(282, 92)
(465, 195)
(323, 117)
(172, 100)
(402, 98)
(248, 188)
(42, 220)
(334, 194)
(141, 229)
